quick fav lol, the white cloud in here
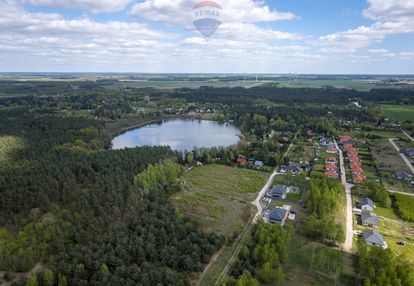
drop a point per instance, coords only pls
(389, 9)
(179, 12)
(94, 6)
(392, 17)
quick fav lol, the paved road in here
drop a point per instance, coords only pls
(408, 135)
(348, 194)
(407, 162)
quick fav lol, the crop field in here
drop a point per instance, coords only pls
(219, 197)
(399, 112)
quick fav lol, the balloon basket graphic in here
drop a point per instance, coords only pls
(206, 17)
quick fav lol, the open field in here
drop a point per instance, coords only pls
(399, 112)
(388, 161)
(8, 146)
(219, 197)
(394, 231)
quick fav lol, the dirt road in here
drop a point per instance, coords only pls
(405, 159)
(348, 193)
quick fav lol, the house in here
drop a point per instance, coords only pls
(354, 159)
(331, 174)
(241, 160)
(278, 215)
(330, 167)
(291, 169)
(369, 219)
(357, 171)
(409, 152)
(354, 165)
(279, 191)
(258, 164)
(323, 141)
(374, 238)
(344, 138)
(330, 160)
(402, 175)
(367, 204)
(331, 151)
(358, 178)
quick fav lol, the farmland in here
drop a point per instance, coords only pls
(399, 112)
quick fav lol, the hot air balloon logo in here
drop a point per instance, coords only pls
(207, 17)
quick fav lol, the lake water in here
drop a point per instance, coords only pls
(180, 134)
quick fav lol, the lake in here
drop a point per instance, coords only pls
(180, 135)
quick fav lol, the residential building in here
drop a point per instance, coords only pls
(369, 219)
(367, 204)
(374, 238)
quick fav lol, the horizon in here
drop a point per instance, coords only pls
(322, 37)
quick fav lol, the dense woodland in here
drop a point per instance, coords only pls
(325, 200)
(262, 257)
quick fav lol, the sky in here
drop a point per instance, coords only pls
(254, 36)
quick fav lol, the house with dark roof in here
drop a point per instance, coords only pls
(258, 164)
(367, 204)
(369, 219)
(278, 216)
(374, 238)
(402, 175)
(291, 169)
(409, 152)
(279, 191)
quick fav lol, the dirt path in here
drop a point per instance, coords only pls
(348, 194)
(407, 162)
(37, 268)
(258, 214)
(408, 135)
(403, 193)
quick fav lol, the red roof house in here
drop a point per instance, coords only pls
(241, 160)
(331, 174)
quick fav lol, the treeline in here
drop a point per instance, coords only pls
(261, 258)
(404, 205)
(381, 267)
(374, 191)
(327, 95)
(324, 200)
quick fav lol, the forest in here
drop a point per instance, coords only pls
(325, 199)
(81, 209)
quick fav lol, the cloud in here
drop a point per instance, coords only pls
(389, 9)
(391, 16)
(94, 6)
(179, 12)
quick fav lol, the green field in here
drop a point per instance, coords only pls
(219, 197)
(399, 112)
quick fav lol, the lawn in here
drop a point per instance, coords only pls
(395, 230)
(399, 112)
(219, 197)
(386, 212)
